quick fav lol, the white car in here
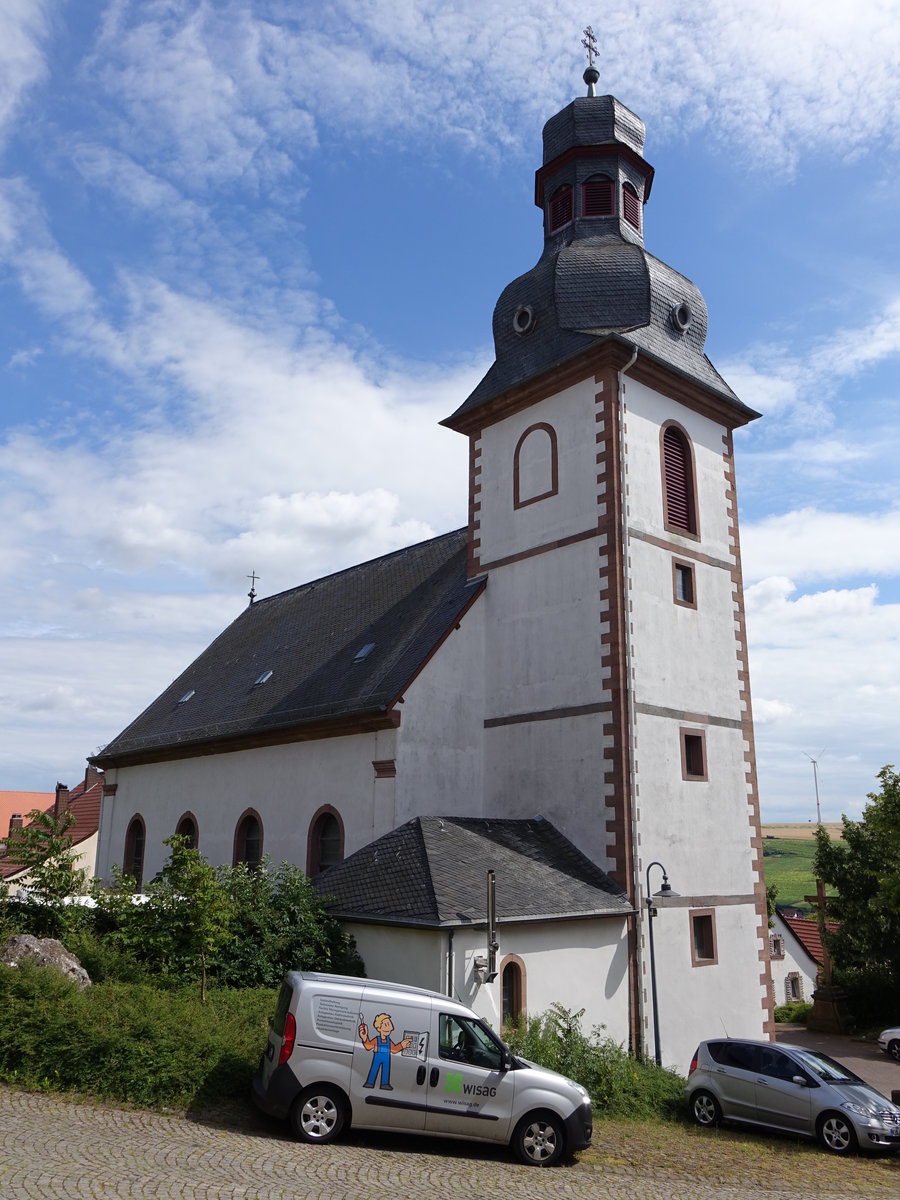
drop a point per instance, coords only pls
(889, 1041)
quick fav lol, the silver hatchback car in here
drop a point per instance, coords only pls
(792, 1089)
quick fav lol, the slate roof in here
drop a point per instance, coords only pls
(594, 281)
(309, 638)
(432, 871)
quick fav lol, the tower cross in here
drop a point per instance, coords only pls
(252, 593)
(590, 44)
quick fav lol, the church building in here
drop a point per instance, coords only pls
(507, 752)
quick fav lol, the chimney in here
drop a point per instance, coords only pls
(91, 776)
(61, 803)
(15, 822)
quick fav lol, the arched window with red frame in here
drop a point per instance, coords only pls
(248, 840)
(133, 858)
(325, 841)
(679, 485)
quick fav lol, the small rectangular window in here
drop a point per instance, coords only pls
(683, 584)
(693, 754)
(703, 938)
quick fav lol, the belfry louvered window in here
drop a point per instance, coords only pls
(598, 197)
(678, 482)
(560, 207)
(631, 206)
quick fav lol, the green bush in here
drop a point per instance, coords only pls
(618, 1084)
(794, 1012)
(129, 1042)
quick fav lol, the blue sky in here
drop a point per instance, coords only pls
(249, 253)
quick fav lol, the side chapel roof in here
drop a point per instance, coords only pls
(432, 871)
(346, 645)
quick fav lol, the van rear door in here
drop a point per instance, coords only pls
(469, 1092)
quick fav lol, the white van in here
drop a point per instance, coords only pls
(385, 1056)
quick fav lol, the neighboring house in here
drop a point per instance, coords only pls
(795, 949)
(15, 807)
(578, 651)
(423, 919)
(83, 801)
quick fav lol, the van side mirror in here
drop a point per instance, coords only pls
(505, 1059)
(800, 1080)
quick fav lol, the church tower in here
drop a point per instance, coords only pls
(603, 512)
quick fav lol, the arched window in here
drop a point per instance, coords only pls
(560, 207)
(187, 828)
(535, 465)
(133, 858)
(679, 490)
(248, 840)
(325, 842)
(598, 197)
(512, 989)
(631, 206)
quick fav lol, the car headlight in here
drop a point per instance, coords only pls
(578, 1088)
(859, 1109)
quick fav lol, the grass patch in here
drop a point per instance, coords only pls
(788, 863)
(130, 1042)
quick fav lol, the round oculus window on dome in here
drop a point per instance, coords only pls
(682, 316)
(523, 319)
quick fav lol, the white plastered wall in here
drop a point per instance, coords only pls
(579, 964)
(685, 676)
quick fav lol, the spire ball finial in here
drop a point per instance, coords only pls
(591, 74)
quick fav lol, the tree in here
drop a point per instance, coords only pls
(44, 848)
(188, 916)
(864, 868)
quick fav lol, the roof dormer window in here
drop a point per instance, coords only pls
(560, 207)
(264, 678)
(631, 206)
(598, 197)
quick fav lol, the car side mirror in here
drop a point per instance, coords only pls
(800, 1080)
(505, 1060)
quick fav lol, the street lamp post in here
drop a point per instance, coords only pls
(665, 890)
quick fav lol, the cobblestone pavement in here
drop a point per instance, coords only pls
(52, 1147)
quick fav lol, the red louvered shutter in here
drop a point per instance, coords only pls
(597, 198)
(631, 206)
(560, 208)
(679, 489)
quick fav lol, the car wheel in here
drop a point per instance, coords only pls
(318, 1114)
(538, 1140)
(836, 1133)
(705, 1109)
(894, 1049)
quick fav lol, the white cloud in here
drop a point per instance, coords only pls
(811, 544)
(823, 674)
(24, 27)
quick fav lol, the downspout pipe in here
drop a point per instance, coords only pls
(629, 693)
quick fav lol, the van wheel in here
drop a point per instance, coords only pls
(836, 1133)
(705, 1109)
(538, 1140)
(318, 1114)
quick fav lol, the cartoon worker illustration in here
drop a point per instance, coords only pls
(382, 1048)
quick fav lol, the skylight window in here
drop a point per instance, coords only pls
(187, 695)
(264, 678)
(365, 652)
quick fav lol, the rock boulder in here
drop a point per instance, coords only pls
(46, 952)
